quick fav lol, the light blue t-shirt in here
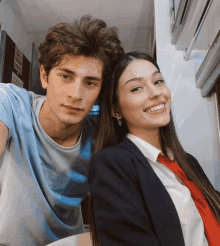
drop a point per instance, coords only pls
(41, 183)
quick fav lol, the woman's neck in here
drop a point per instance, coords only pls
(150, 136)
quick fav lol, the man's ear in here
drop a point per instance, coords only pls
(43, 77)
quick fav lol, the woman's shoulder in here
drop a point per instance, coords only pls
(194, 162)
(114, 152)
(115, 156)
(114, 159)
(197, 167)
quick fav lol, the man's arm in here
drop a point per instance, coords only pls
(3, 136)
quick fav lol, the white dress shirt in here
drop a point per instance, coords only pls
(190, 219)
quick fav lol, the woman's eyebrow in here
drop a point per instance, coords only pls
(140, 78)
(136, 78)
(155, 73)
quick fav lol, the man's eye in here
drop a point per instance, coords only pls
(90, 83)
(64, 76)
(136, 89)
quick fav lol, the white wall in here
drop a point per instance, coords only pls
(194, 118)
(15, 29)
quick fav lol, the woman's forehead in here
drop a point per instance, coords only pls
(138, 68)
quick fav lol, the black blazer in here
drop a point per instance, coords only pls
(132, 206)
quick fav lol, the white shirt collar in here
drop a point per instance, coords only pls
(148, 150)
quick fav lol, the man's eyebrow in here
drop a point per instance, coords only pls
(74, 73)
(93, 78)
(67, 71)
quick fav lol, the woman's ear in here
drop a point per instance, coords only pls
(43, 77)
(117, 114)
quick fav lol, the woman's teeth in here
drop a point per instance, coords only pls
(160, 106)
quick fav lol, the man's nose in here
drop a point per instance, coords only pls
(75, 91)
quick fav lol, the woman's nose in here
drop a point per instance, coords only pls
(153, 91)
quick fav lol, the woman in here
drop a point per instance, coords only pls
(135, 198)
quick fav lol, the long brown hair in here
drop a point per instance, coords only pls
(110, 133)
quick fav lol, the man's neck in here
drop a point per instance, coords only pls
(62, 134)
(67, 137)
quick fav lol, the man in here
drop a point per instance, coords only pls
(46, 142)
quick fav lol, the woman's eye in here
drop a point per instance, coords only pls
(159, 82)
(136, 89)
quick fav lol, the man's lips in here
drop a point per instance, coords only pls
(73, 108)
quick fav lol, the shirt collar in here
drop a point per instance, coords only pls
(148, 150)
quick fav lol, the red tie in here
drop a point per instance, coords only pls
(211, 224)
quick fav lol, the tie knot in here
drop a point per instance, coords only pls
(173, 166)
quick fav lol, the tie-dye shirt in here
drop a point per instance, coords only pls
(42, 183)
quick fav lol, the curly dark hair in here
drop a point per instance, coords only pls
(86, 36)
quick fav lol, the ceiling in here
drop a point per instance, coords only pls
(134, 18)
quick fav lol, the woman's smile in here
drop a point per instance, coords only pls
(144, 99)
(156, 109)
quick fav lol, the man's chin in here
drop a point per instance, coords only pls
(71, 120)
(71, 123)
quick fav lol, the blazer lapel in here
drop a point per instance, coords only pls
(158, 201)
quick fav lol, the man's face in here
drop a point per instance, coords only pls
(72, 88)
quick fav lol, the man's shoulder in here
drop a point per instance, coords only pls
(35, 96)
(15, 96)
(35, 99)
(15, 103)
(11, 90)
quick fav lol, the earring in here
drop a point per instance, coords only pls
(119, 121)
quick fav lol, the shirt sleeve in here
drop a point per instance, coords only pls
(12, 102)
(121, 217)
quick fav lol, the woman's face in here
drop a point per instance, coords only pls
(144, 99)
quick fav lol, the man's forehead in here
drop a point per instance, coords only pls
(79, 58)
(82, 64)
